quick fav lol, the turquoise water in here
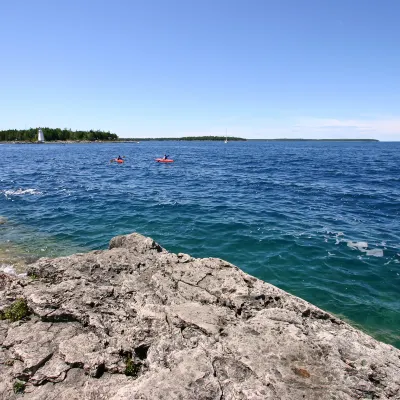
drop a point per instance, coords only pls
(320, 220)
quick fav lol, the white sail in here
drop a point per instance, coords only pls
(40, 136)
(226, 136)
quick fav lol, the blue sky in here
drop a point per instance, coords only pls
(259, 68)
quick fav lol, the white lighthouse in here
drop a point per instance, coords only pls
(40, 136)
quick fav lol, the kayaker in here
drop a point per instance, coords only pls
(119, 158)
(165, 157)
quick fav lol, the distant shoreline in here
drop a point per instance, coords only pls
(138, 140)
(314, 140)
(232, 139)
(236, 139)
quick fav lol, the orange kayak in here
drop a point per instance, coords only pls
(164, 160)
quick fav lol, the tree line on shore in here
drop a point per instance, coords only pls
(52, 134)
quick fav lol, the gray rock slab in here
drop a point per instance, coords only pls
(137, 322)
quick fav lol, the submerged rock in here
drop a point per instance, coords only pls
(137, 322)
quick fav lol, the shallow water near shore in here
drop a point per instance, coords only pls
(318, 219)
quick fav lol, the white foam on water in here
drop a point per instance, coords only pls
(362, 246)
(19, 192)
(375, 252)
(337, 236)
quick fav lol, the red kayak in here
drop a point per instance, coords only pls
(164, 160)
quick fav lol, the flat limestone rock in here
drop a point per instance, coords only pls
(137, 322)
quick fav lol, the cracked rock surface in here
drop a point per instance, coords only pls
(137, 322)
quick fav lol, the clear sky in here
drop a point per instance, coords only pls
(151, 68)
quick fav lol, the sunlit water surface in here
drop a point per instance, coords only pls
(320, 220)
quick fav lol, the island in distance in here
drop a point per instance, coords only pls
(67, 135)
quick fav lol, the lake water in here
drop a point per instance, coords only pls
(318, 219)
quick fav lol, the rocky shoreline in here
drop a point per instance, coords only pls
(138, 322)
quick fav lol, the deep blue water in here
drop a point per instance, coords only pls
(295, 214)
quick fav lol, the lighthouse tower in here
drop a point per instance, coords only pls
(40, 136)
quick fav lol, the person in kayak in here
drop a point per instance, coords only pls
(165, 157)
(119, 158)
